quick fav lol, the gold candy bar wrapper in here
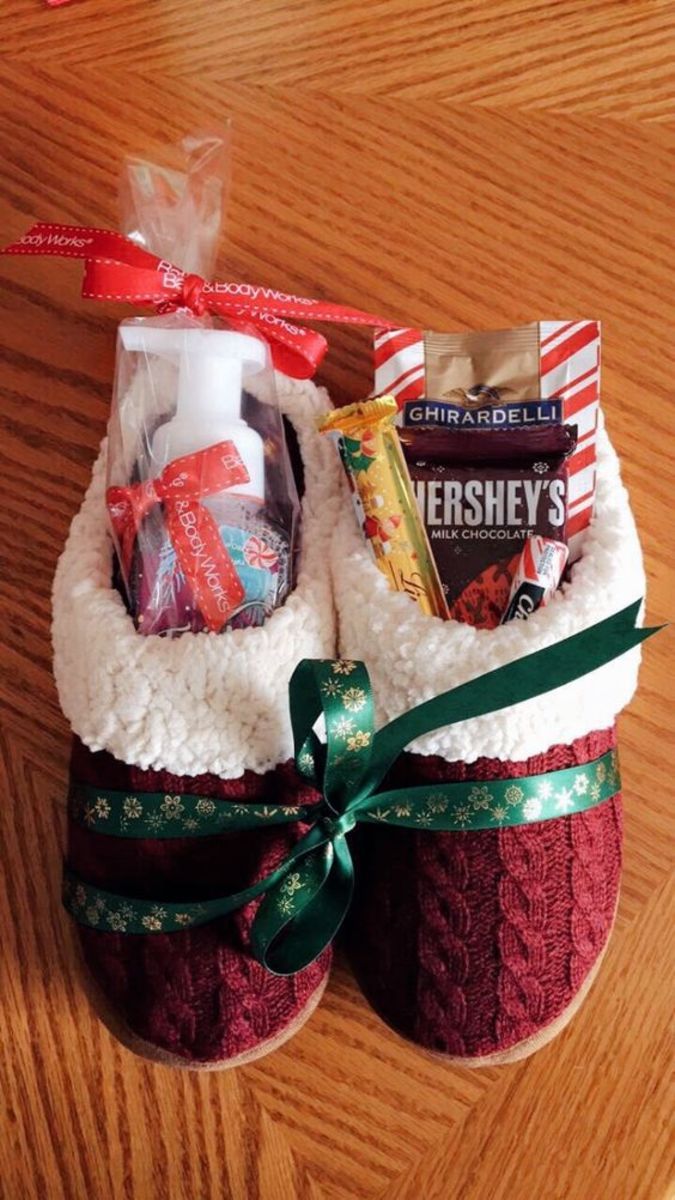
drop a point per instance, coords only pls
(384, 499)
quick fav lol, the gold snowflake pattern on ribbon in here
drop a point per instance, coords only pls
(154, 814)
(117, 915)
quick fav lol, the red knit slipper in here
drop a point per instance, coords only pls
(198, 724)
(194, 998)
(479, 945)
(497, 932)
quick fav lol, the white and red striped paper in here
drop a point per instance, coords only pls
(569, 367)
(569, 353)
(399, 363)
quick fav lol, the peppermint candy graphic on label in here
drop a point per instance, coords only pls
(258, 554)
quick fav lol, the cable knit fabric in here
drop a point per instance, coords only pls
(470, 943)
(198, 994)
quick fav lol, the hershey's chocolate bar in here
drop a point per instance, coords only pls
(482, 495)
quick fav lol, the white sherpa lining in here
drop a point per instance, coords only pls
(204, 702)
(411, 657)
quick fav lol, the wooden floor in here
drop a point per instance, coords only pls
(455, 165)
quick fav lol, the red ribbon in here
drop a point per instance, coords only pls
(216, 587)
(118, 269)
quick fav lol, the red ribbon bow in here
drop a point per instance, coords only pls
(118, 269)
(216, 587)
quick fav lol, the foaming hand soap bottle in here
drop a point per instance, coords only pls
(213, 550)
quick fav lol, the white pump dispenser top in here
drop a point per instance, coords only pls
(211, 366)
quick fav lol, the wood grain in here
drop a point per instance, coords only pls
(360, 173)
(606, 57)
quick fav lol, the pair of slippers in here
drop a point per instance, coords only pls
(477, 945)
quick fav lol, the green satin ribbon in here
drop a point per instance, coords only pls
(162, 815)
(306, 898)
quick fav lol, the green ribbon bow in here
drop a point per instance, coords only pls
(306, 899)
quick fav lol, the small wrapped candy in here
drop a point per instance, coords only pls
(384, 500)
(537, 576)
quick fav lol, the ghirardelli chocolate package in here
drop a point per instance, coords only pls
(483, 370)
(547, 372)
(482, 495)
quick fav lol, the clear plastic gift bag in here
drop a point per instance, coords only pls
(177, 212)
(201, 495)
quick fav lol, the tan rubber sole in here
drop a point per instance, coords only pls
(148, 1050)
